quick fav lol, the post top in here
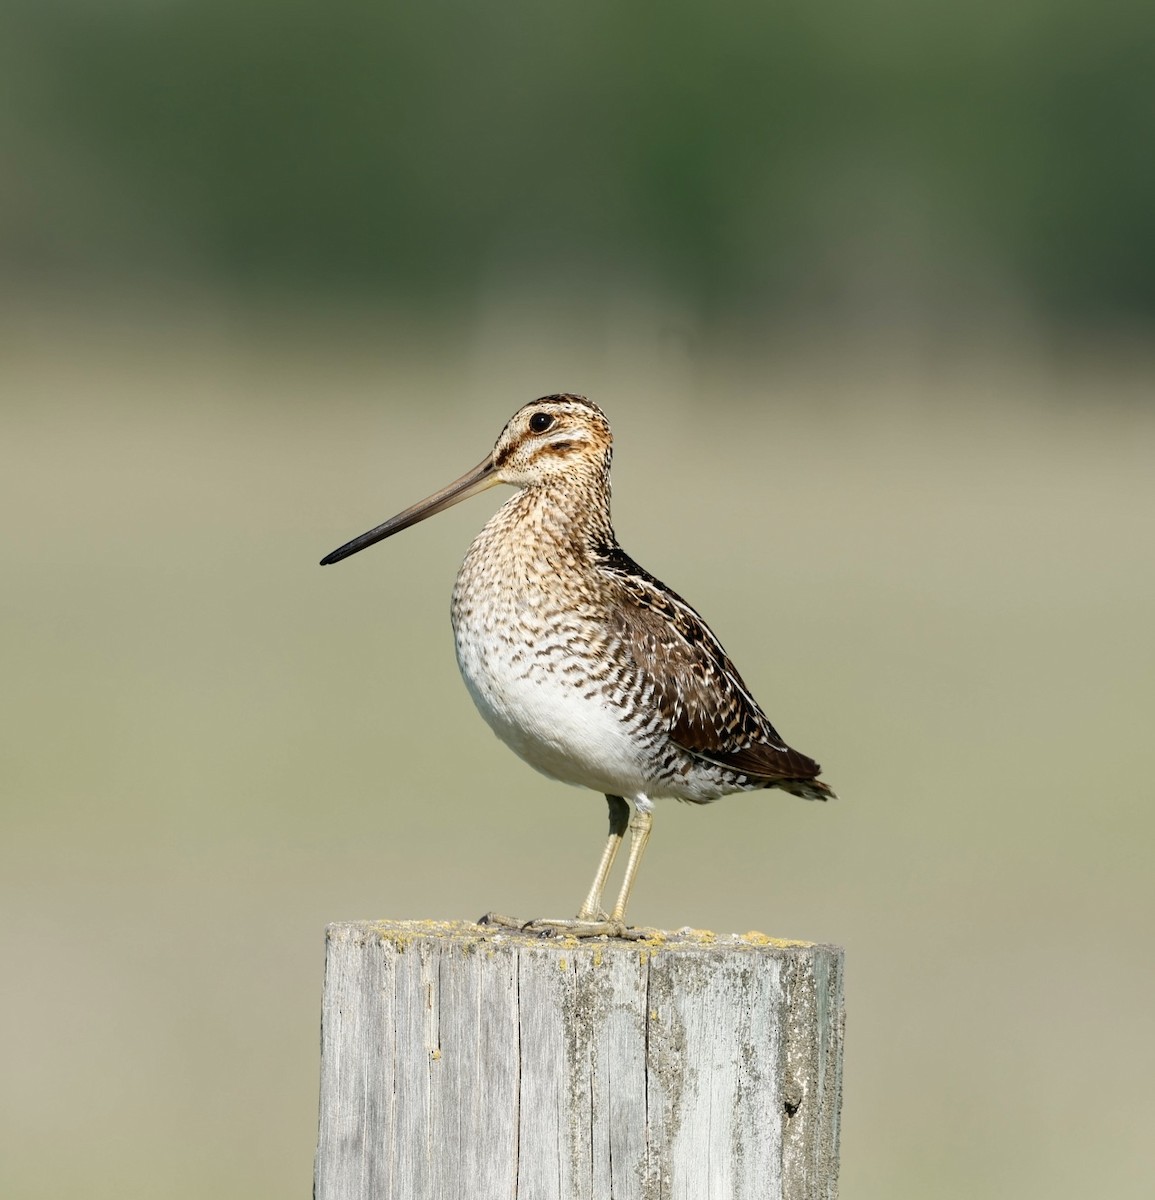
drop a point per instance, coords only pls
(468, 934)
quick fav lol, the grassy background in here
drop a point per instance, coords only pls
(937, 578)
(867, 292)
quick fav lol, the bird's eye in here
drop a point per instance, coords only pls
(540, 422)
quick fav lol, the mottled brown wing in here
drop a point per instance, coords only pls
(695, 685)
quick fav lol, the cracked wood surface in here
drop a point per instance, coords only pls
(462, 1062)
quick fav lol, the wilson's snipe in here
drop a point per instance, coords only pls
(584, 664)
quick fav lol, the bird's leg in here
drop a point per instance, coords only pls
(640, 824)
(592, 910)
(592, 921)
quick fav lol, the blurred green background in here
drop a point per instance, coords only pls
(868, 294)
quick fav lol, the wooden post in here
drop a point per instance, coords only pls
(463, 1063)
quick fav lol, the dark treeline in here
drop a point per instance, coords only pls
(742, 154)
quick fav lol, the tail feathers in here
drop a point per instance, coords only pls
(808, 789)
(772, 765)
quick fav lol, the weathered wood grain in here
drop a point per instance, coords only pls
(467, 1064)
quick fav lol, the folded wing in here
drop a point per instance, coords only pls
(696, 687)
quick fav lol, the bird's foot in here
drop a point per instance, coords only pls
(580, 928)
(501, 921)
(568, 927)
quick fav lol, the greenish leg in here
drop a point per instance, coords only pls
(591, 910)
(640, 825)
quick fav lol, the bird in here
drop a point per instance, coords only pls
(583, 663)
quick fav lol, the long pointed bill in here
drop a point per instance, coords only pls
(481, 477)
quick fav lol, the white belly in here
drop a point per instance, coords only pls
(546, 716)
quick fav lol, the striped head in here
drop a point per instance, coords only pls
(553, 438)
